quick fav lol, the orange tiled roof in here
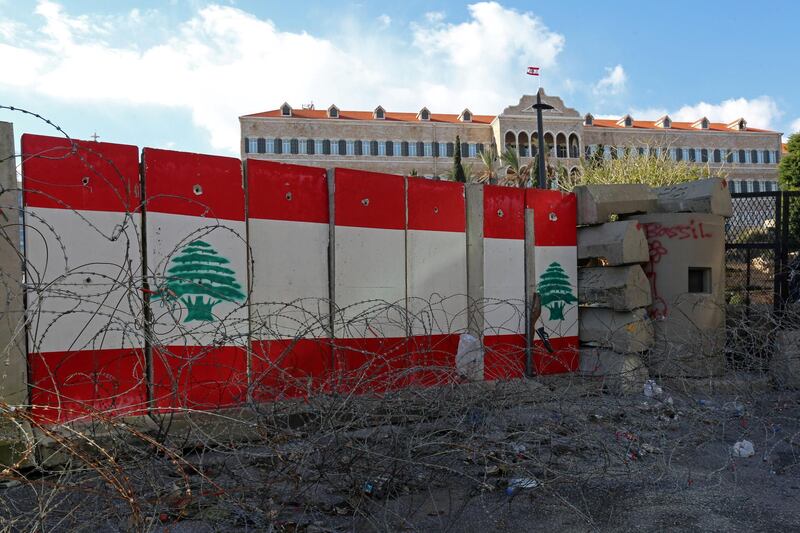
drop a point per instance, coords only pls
(367, 115)
(784, 148)
(651, 124)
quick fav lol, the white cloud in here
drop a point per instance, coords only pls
(795, 127)
(760, 112)
(613, 83)
(224, 62)
(385, 20)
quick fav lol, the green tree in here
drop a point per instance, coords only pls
(458, 169)
(789, 167)
(198, 271)
(656, 170)
(555, 290)
(789, 178)
(516, 173)
(490, 169)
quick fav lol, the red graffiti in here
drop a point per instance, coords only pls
(654, 230)
(659, 308)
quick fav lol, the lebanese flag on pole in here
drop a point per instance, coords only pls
(533, 71)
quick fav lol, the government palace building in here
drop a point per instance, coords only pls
(423, 142)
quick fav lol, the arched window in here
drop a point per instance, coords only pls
(765, 157)
(294, 146)
(404, 148)
(704, 155)
(262, 145)
(465, 150)
(420, 149)
(278, 145)
(523, 144)
(717, 156)
(286, 110)
(480, 148)
(326, 146)
(450, 149)
(549, 144)
(310, 146)
(678, 154)
(342, 147)
(561, 145)
(389, 148)
(754, 156)
(436, 152)
(510, 140)
(373, 148)
(358, 147)
(692, 155)
(742, 156)
(574, 146)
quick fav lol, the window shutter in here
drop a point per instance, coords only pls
(389, 148)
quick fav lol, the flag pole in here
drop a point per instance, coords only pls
(539, 107)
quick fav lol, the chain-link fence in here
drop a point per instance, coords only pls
(762, 271)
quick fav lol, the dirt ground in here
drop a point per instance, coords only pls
(446, 459)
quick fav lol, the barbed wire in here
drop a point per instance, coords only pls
(383, 435)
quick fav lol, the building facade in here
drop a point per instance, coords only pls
(423, 143)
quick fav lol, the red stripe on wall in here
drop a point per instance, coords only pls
(290, 368)
(503, 212)
(364, 366)
(83, 175)
(504, 357)
(71, 384)
(436, 205)
(563, 360)
(555, 217)
(184, 183)
(199, 377)
(278, 191)
(369, 200)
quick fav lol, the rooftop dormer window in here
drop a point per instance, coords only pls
(664, 122)
(379, 113)
(626, 121)
(701, 124)
(424, 114)
(286, 110)
(465, 116)
(588, 120)
(739, 124)
(333, 112)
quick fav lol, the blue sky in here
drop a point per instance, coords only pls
(178, 73)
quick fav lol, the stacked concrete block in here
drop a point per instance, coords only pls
(614, 243)
(613, 292)
(596, 203)
(677, 234)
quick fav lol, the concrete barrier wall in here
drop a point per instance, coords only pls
(288, 228)
(556, 274)
(83, 274)
(197, 272)
(274, 283)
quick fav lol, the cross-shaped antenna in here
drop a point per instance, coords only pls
(95, 136)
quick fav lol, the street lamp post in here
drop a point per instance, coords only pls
(539, 107)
